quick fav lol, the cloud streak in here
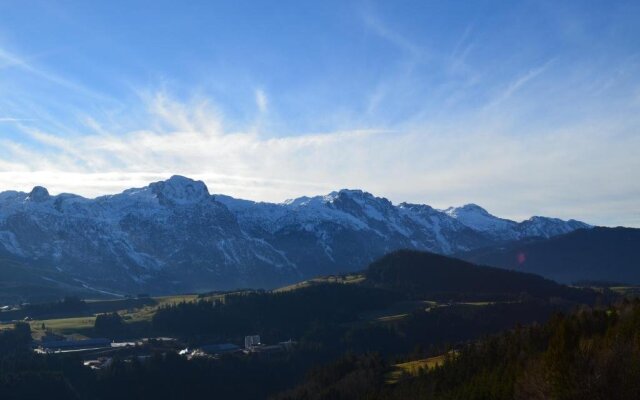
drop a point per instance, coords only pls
(11, 60)
(261, 101)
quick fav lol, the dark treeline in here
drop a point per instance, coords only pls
(327, 316)
(25, 375)
(276, 316)
(67, 306)
(72, 306)
(109, 324)
(590, 354)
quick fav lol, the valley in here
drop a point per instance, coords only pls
(408, 307)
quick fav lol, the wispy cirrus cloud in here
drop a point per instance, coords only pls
(11, 60)
(11, 119)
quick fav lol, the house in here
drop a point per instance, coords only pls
(251, 341)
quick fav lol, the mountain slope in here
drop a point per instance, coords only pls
(348, 229)
(421, 274)
(21, 282)
(598, 254)
(174, 236)
(168, 236)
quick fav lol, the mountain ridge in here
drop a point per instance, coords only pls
(173, 235)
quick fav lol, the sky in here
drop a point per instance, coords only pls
(526, 108)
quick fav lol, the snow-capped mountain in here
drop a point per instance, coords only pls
(347, 229)
(174, 236)
(479, 219)
(168, 236)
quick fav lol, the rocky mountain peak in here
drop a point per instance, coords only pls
(38, 194)
(467, 208)
(180, 190)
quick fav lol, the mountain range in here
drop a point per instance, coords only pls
(174, 235)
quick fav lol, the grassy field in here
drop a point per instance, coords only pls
(64, 326)
(629, 291)
(403, 309)
(347, 279)
(413, 368)
(133, 310)
(146, 313)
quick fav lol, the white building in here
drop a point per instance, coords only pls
(251, 341)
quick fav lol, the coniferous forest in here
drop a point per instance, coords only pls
(592, 353)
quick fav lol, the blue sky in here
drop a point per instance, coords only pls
(523, 107)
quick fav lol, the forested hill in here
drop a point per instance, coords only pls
(589, 354)
(420, 274)
(401, 277)
(597, 254)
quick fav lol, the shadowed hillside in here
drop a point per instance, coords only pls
(598, 254)
(420, 274)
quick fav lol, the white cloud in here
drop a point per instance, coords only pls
(13, 120)
(580, 172)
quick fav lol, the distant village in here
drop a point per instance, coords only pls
(98, 353)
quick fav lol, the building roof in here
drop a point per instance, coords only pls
(65, 344)
(219, 348)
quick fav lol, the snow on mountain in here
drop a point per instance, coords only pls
(476, 217)
(547, 227)
(173, 235)
(446, 234)
(349, 228)
(479, 219)
(170, 235)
